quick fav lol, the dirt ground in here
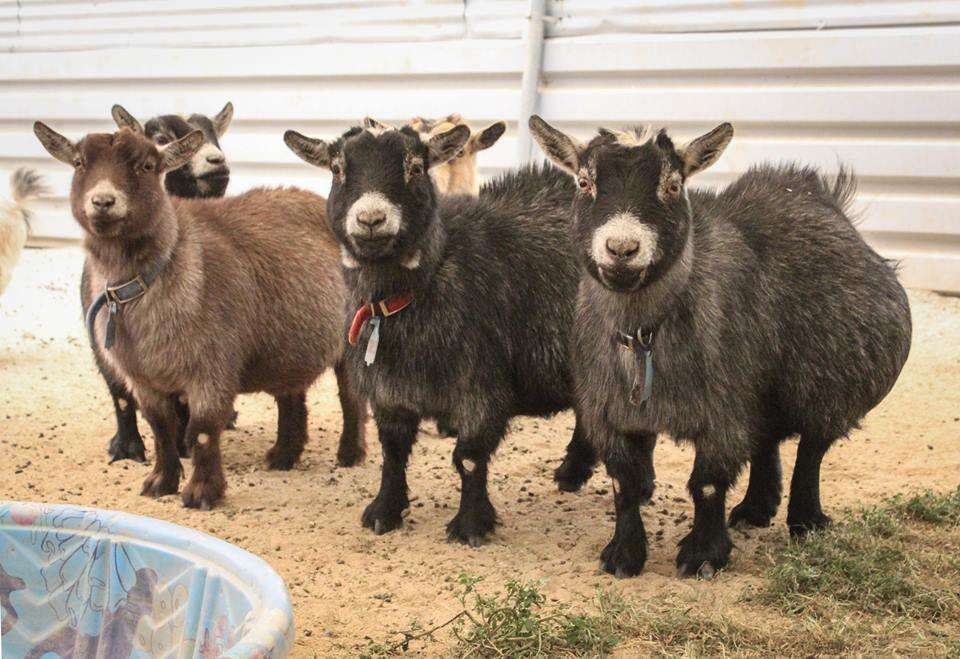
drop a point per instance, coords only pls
(346, 583)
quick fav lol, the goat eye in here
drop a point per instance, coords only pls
(162, 139)
(416, 169)
(148, 166)
(335, 169)
(78, 162)
(674, 188)
(584, 184)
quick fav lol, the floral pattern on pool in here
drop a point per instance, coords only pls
(80, 582)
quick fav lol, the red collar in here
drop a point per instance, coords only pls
(382, 308)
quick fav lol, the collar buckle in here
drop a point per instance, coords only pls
(127, 292)
(639, 342)
(375, 310)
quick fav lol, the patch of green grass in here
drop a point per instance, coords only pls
(873, 562)
(929, 507)
(520, 623)
(881, 581)
(516, 623)
(666, 627)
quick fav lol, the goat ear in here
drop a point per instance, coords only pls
(56, 144)
(454, 118)
(703, 151)
(177, 154)
(562, 149)
(314, 151)
(125, 120)
(221, 122)
(487, 137)
(443, 147)
(374, 126)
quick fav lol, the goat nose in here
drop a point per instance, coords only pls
(103, 201)
(217, 159)
(622, 248)
(371, 219)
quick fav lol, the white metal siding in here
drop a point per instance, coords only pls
(871, 84)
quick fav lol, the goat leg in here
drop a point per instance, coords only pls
(291, 431)
(353, 445)
(476, 517)
(397, 433)
(165, 477)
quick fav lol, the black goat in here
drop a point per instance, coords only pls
(732, 321)
(469, 302)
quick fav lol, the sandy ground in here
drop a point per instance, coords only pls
(346, 583)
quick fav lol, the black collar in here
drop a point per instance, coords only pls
(118, 296)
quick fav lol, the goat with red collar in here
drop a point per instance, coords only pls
(460, 307)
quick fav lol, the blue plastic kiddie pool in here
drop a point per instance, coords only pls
(81, 582)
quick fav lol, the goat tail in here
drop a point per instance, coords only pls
(844, 188)
(25, 186)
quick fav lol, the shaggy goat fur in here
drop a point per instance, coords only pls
(248, 298)
(25, 186)
(191, 181)
(459, 175)
(493, 282)
(771, 317)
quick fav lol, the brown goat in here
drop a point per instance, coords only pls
(459, 175)
(243, 294)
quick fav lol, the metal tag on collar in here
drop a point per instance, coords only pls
(643, 385)
(636, 342)
(641, 344)
(112, 310)
(373, 342)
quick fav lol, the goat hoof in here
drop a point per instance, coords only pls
(382, 518)
(281, 460)
(624, 557)
(800, 528)
(751, 514)
(571, 475)
(350, 453)
(129, 447)
(703, 557)
(202, 494)
(232, 423)
(472, 525)
(157, 485)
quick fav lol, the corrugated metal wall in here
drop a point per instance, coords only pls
(873, 84)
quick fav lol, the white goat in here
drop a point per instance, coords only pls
(25, 185)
